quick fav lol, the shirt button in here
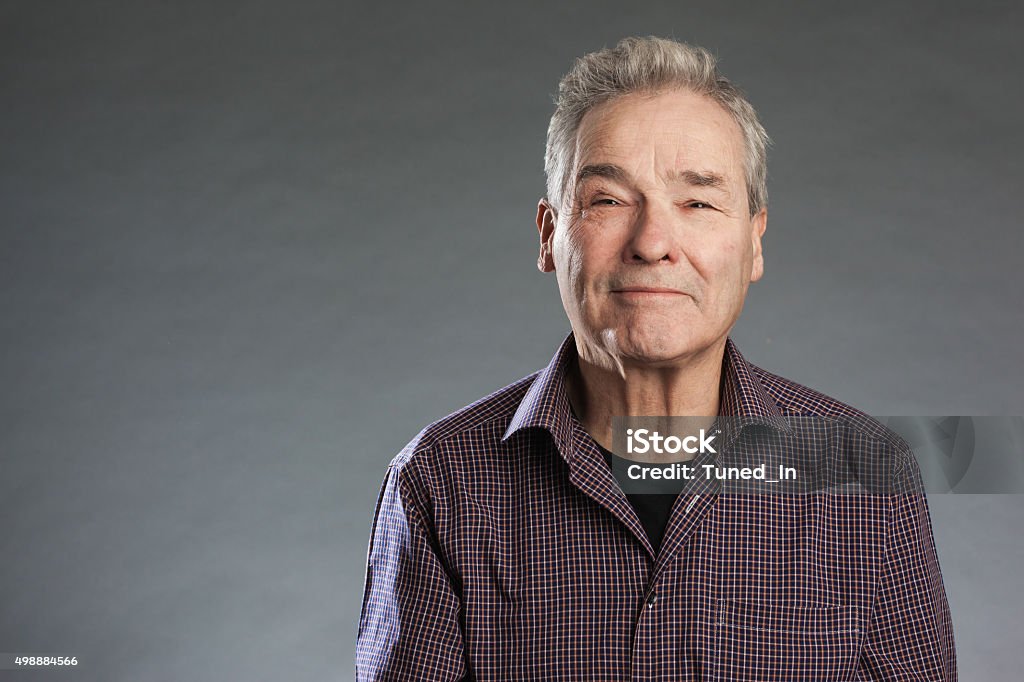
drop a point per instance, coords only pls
(651, 600)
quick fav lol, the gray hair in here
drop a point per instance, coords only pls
(647, 65)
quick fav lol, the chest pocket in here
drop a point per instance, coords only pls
(757, 641)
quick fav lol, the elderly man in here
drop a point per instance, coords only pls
(505, 545)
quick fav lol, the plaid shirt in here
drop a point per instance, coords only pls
(502, 548)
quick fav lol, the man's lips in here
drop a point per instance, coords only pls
(647, 290)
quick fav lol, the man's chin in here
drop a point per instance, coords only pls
(660, 358)
(656, 349)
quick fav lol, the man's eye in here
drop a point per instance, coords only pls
(699, 204)
(604, 201)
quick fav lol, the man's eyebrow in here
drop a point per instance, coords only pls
(705, 179)
(600, 170)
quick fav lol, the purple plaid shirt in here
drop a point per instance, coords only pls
(503, 548)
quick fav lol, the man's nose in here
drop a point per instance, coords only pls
(652, 238)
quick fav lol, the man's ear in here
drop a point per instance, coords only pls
(546, 219)
(758, 224)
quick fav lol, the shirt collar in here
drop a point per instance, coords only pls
(744, 396)
(546, 403)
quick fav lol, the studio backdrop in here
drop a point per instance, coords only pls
(249, 249)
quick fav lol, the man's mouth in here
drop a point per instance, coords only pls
(648, 291)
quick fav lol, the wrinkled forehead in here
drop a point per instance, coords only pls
(662, 134)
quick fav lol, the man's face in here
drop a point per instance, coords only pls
(654, 246)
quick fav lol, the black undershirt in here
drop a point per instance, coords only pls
(652, 508)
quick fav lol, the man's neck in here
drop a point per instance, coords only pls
(689, 389)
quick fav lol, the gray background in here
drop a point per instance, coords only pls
(249, 249)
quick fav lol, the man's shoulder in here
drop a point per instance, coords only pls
(486, 418)
(885, 461)
(802, 402)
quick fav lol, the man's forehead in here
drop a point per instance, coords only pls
(684, 137)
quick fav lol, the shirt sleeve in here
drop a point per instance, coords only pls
(911, 631)
(409, 623)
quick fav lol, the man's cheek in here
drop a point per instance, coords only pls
(573, 258)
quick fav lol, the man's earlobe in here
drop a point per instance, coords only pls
(546, 219)
(759, 223)
(544, 260)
